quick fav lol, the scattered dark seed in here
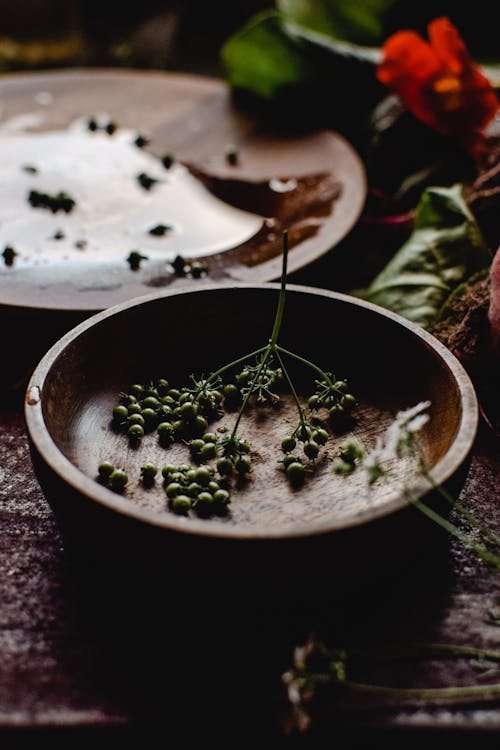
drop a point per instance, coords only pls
(134, 259)
(146, 181)
(232, 155)
(58, 235)
(30, 169)
(110, 127)
(167, 161)
(8, 255)
(92, 124)
(160, 230)
(81, 244)
(141, 141)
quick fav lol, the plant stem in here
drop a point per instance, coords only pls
(483, 553)
(293, 391)
(305, 362)
(234, 363)
(281, 299)
(267, 351)
(478, 692)
(474, 522)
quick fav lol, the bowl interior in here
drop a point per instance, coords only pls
(390, 365)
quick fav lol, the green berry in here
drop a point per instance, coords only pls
(288, 444)
(148, 472)
(242, 464)
(172, 489)
(348, 401)
(105, 469)
(136, 419)
(296, 472)
(311, 449)
(209, 450)
(320, 435)
(118, 479)
(135, 432)
(137, 390)
(222, 497)
(203, 475)
(224, 466)
(209, 437)
(120, 412)
(290, 460)
(181, 504)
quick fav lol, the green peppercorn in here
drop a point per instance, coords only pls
(288, 444)
(150, 402)
(105, 469)
(118, 479)
(242, 464)
(137, 390)
(181, 504)
(135, 432)
(222, 497)
(348, 401)
(136, 419)
(290, 460)
(173, 489)
(311, 449)
(225, 466)
(148, 472)
(120, 412)
(203, 475)
(296, 472)
(320, 435)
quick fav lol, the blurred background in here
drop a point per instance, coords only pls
(187, 35)
(160, 34)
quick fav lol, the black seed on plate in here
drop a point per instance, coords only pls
(110, 127)
(141, 141)
(92, 124)
(8, 255)
(134, 260)
(160, 230)
(146, 181)
(167, 161)
(30, 169)
(81, 244)
(58, 235)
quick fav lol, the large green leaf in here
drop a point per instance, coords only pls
(299, 74)
(262, 58)
(445, 248)
(359, 21)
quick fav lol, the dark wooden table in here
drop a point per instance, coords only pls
(73, 669)
(66, 675)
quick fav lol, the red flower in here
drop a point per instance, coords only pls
(439, 83)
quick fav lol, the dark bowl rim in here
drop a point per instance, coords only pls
(65, 470)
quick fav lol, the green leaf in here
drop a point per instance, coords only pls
(359, 21)
(445, 248)
(297, 75)
(262, 58)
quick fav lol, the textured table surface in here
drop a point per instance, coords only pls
(54, 673)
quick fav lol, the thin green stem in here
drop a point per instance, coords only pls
(477, 692)
(267, 351)
(235, 363)
(305, 362)
(472, 520)
(281, 299)
(292, 390)
(483, 553)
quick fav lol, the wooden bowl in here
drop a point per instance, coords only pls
(390, 365)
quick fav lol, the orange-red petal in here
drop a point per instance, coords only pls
(448, 45)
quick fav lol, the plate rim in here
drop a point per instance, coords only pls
(353, 198)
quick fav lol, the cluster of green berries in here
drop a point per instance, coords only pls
(349, 457)
(312, 438)
(261, 379)
(332, 395)
(112, 477)
(233, 453)
(195, 488)
(173, 413)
